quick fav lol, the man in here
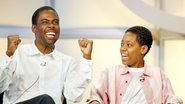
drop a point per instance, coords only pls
(133, 82)
(39, 74)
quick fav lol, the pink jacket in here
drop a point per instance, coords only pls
(113, 82)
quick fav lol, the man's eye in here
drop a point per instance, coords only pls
(55, 22)
(45, 22)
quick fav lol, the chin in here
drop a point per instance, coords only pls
(51, 42)
(125, 63)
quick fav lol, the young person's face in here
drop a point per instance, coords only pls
(132, 53)
(47, 28)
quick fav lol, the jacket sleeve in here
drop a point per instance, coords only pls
(99, 91)
(168, 93)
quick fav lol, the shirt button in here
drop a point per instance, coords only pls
(120, 94)
(126, 81)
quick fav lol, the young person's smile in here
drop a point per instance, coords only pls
(131, 50)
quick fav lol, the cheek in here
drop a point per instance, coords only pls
(133, 54)
(38, 31)
(120, 50)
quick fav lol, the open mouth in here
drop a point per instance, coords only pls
(124, 56)
(50, 35)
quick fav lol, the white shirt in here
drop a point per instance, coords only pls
(29, 73)
(134, 93)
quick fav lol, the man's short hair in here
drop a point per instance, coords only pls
(36, 13)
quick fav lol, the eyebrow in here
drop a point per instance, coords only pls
(48, 19)
(127, 41)
(44, 20)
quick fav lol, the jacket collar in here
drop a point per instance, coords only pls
(126, 70)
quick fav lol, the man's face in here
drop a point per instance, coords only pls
(131, 52)
(47, 28)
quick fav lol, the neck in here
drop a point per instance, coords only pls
(139, 64)
(44, 49)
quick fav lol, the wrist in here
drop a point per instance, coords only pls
(9, 53)
(88, 57)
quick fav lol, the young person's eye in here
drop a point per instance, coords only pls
(129, 45)
(122, 44)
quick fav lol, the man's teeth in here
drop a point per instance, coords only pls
(50, 33)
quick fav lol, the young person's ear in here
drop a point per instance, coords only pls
(144, 49)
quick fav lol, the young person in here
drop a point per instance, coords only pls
(133, 82)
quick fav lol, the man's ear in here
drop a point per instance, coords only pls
(144, 49)
(33, 28)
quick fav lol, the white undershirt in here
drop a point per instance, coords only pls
(134, 93)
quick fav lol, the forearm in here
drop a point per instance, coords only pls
(4, 73)
(99, 90)
(169, 96)
(77, 80)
